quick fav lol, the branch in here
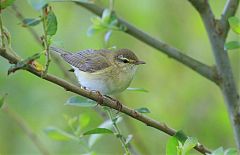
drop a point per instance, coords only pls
(200, 5)
(170, 51)
(228, 11)
(106, 101)
(224, 70)
(26, 129)
(57, 61)
(20, 16)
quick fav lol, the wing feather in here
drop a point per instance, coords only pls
(88, 60)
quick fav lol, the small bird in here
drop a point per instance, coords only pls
(106, 71)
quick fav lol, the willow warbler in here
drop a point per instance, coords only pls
(106, 71)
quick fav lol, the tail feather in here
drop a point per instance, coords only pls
(58, 50)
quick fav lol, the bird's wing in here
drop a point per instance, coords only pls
(88, 60)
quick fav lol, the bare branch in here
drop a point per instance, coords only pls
(229, 10)
(200, 5)
(106, 101)
(170, 51)
(227, 82)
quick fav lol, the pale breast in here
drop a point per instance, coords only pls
(111, 81)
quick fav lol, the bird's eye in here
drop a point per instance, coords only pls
(125, 60)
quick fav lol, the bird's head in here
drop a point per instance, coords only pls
(126, 58)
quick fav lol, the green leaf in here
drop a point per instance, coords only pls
(84, 120)
(234, 23)
(180, 135)
(51, 23)
(137, 89)
(128, 139)
(94, 138)
(107, 36)
(5, 3)
(22, 64)
(143, 110)
(80, 101)
(172, 145)
(106, 16)
(92, 30)
(190, 143)
(122, 28)
(58, 134)
(72, 121)
(96, 21)
(231, 151)
(232, 45)
(98, 131)
(31, 22)
(2, 100)
(38, 4)
(218, 151)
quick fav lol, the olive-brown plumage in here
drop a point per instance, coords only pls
(102, 70)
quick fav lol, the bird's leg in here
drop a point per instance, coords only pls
(83, 87)
(119, 105)
(100, 96)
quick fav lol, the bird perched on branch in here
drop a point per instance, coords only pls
(106, 71)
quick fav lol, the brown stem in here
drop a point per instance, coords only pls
(227, 83)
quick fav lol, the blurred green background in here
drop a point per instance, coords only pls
(177, 95)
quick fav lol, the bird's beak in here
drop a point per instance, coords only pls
(139, 62)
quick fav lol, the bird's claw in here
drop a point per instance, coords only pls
(119, 105)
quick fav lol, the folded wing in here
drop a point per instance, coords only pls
(88, 60)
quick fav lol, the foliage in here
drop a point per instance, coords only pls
(220, 151)
(234, 23)
(79, 127)
(107, 23)
(80, 101)
(31, 22)
(6, 3)
(179, 144)
(143, 110)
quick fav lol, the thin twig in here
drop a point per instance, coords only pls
(118, 132)
(26, 129)
(2, 30)
(46, 39)
(169, 50)
(57, 60)
(106, 101)
(228, 11)
(111, 5)
(138, 140)
(226, 80)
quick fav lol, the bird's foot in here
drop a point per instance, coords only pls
(119, 105)
(100, 97)
(83, 87)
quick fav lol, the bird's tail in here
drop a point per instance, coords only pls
(58, 50)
